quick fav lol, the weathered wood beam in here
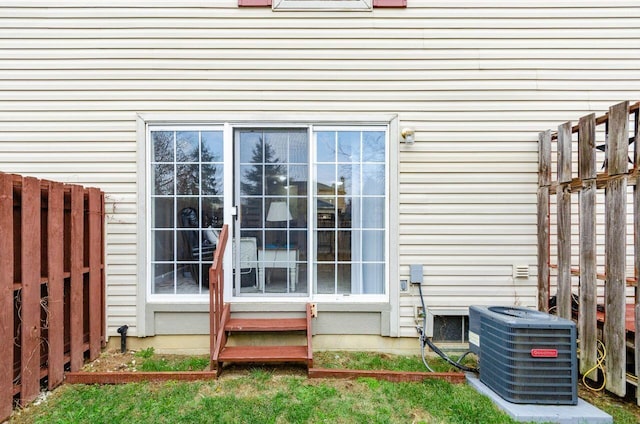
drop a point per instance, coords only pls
(543, 202)
(599, 120)
(587, 319)
(563, 297)
(615, 248)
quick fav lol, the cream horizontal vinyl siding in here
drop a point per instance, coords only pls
(476, 79)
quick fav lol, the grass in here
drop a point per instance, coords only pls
(369, 361)
(276, 395)
(262, 397)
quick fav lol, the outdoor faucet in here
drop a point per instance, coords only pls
(123, 337)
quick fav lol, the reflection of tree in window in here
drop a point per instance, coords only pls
(254, 183)
(195, 171)
(211, 182)
(163, 152)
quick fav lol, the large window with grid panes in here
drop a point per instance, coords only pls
(307, 206)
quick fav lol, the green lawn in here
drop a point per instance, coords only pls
(261, 397)
(268, 395)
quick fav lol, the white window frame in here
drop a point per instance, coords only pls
(146, 122)
(387, 222)
(171, 298)
(342, 5)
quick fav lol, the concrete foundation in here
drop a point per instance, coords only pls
(582, 413)
(199, 344)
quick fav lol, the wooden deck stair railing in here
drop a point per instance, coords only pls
(222, 324)
(216, 292)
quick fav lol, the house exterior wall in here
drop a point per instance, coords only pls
(476, 80)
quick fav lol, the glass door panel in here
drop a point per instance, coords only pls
(271, 193)
(350, 193)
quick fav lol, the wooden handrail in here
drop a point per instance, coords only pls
(216, 290)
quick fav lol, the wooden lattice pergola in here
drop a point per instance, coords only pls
(617, 182)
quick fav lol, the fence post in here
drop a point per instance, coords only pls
(6, 296)
(636, 242)
(587, 318)
(544, 181)
(95, 253)
(77, 278)
(615, 248)
(30, 234)
(55, 252)
(563, 298)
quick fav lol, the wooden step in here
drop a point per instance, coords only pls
(264, 354)
(266, 324)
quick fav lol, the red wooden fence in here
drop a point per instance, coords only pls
(51, 284)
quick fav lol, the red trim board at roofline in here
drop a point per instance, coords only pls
(376, 3)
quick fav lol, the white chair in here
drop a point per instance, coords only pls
(248, 257)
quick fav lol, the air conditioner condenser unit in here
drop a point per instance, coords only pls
(525, 356)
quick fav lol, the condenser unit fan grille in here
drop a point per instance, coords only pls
(526, 358)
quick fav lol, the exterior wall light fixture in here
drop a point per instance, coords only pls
(408, 135)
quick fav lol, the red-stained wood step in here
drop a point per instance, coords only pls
(269, 324)
(264, 354)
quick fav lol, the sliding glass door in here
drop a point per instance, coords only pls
(271, 237)
(311, 209)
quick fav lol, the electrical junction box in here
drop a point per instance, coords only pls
(416, 274)
(525, 356)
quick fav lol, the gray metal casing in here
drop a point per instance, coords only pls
(507, 340)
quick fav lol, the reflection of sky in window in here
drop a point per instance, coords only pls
(373, 146)
(349, 146)
(278, 143)
(162, 146)
(248, 143)
(286, 145)
(187, 146)
(212, 146)
(326, 146)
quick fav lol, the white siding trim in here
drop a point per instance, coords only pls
(142, 320)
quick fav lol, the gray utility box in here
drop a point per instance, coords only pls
(526, 356)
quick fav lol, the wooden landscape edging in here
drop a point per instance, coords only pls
(395, 376)
(51, 272)
(117, 377)
(615, 179)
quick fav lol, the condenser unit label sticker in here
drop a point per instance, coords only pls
(544, 353)
(474, 338)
